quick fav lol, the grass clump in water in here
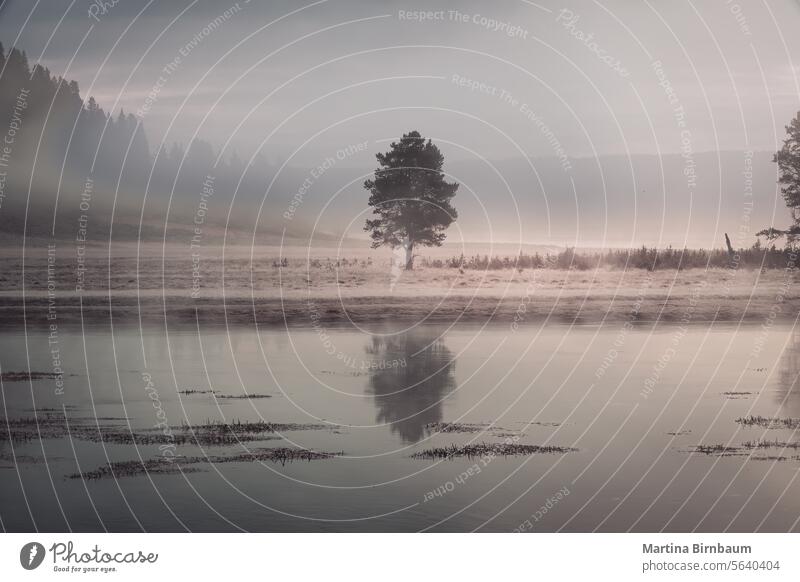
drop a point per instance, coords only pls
(176, 466)
(768, 423)
(490, 449)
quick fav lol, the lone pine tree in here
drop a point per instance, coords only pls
(410, 197)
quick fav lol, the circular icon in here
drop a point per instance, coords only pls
(31, 555)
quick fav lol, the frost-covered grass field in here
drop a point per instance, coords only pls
(283, 285)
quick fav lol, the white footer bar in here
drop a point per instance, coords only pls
(375, 557)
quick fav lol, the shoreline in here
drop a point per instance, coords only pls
(515, 311)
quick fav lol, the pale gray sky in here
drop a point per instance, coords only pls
(730, 65)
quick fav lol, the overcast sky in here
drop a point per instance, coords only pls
(363, 70)
(505, 80)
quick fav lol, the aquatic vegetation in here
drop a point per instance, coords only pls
(717, 449)
(280, 455)
(241, 396)
(220, 433)
(56, 426)
(25, 376)
(48, 425)
(17, 459)
(774, 444)
(120, 469)
(163, 466)
(769, 423)
(457, 427)
(742, 450)
(490, 449)
(488, 428)
(239, 427)
(219, 396)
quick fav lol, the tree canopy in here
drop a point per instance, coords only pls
(409, 196)
(788, 160)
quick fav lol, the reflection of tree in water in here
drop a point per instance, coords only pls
(788, 390)
(412, 373)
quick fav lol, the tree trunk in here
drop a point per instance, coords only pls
(409, 255)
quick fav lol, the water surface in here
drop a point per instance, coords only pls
(633, 402)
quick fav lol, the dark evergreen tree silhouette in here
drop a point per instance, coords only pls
(788, 160)
(72, 139)
(410, 197)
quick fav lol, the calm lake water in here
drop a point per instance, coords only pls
(633, 402)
